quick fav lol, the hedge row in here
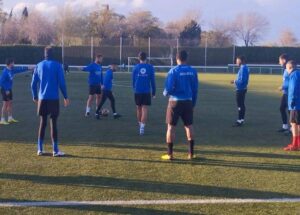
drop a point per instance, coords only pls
(80, 55)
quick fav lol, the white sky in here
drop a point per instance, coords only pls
(282, 14)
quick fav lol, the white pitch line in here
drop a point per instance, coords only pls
(146, 202)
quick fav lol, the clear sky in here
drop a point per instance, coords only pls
(282, 14)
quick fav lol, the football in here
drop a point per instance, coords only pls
(105, 112)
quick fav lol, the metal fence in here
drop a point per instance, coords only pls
(263, 69)
(124, 48)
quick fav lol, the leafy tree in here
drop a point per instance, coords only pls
(191, 35)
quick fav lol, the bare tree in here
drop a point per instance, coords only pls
(105, 23)
(10, 32)
(250, 27)
(221, 34)
(38, 29)
(143, 24)
(3, 14)
(174, 28)
(72, 24)
(287, 38)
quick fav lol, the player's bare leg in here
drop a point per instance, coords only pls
(3, 112)
(89, 104)
(144, 117)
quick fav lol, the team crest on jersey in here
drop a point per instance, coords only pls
(143, 71)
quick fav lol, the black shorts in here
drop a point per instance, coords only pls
(6, 97)
(95, 90)
(48, 107)
(142, 99)
(177, 109)
(295, 117)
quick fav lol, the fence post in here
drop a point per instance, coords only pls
(62, 49)
(92, 48)
(121, 49)
(205, 57)
(233, 58)
(149, 48)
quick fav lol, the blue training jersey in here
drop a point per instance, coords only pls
(182, 84)
(47, 79)
(108, 79)
(143, 79)
(6, 79)
(96, 75)
(285, 84)
(242, 78)
(294, 90)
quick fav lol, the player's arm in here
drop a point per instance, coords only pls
(20, 69)
(4, 78)
(285, 84)
(195, 87)
(101, 75)
(134, 77)
(169, 84)
(241, 78)
(34, 85)
(153, 83)
(86, 68)
(62, 85)
(292, 91)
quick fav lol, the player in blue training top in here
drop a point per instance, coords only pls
(283, 59)
(47, 79)
(107, 92)
(143, 83)
(95, 82)
(182, 89)
(294, 104)
(241, 84)
(6, 84)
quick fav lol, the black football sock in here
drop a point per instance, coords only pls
(170, 148)
(191, 147)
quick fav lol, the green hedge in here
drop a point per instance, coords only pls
(80, 55)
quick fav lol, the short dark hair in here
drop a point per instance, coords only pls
(182, 56)
(242, 58)
(142, 56)
(293, 63)
(284, 56)
(9, 61)
(99, 55)
(48, 52)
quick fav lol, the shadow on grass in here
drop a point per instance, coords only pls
(145, 186)
(209, 162)
(126, 210)
(228, 153)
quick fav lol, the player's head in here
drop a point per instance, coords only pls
(291, 66)
(10, 62)
(48, 52)
(283, 59)
(114, 67)
(182, 57)
(99, 58)
(142, 56)
(240, 60)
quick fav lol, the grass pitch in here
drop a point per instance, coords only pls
(108, 160)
